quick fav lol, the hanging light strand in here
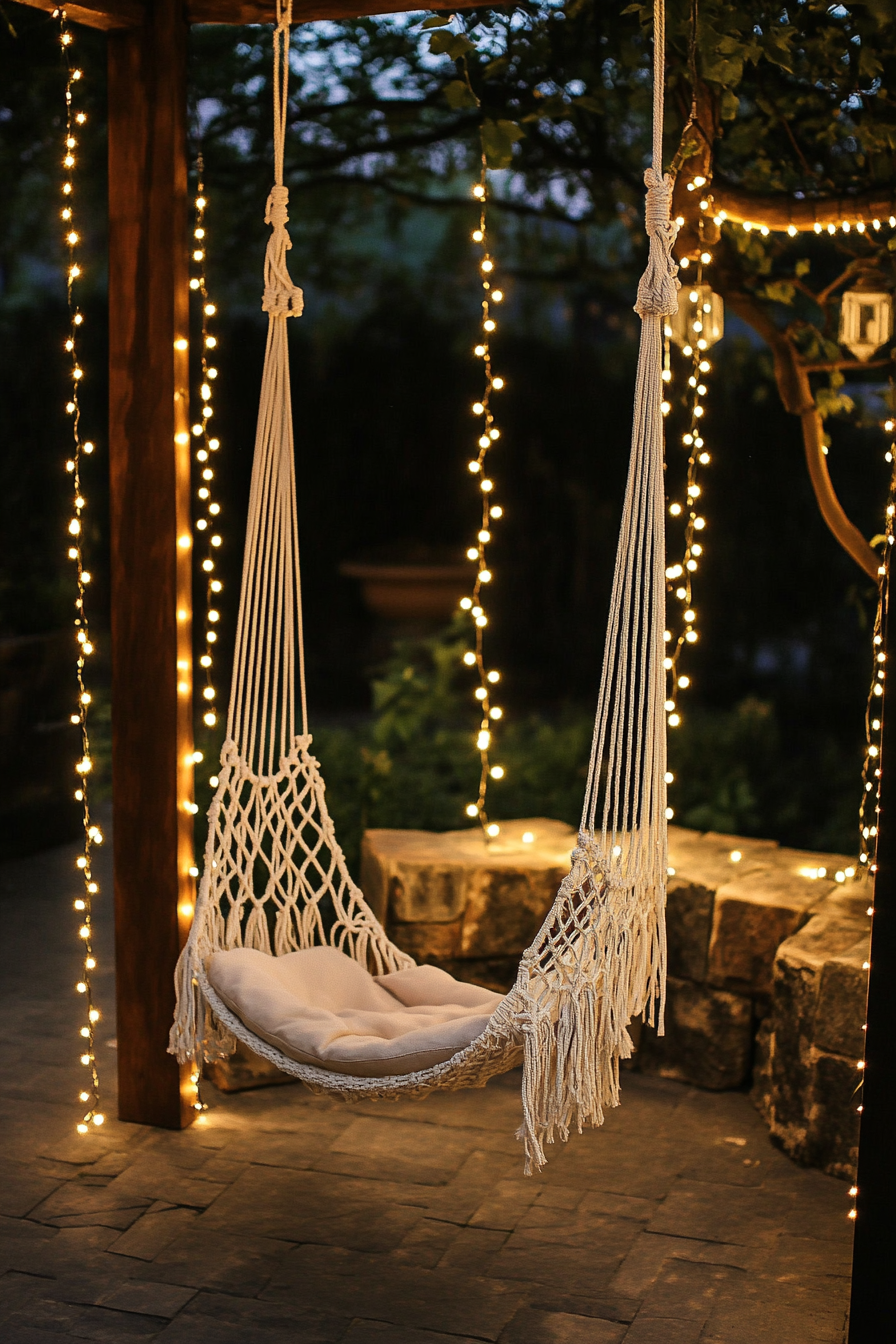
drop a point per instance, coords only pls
(89, 1096)
(490, 512)
(208, 510)
(680, 574)
(869, 806)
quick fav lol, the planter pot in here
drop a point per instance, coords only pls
(409, 593)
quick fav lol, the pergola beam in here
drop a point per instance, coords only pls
(786, 213)
(108, 15)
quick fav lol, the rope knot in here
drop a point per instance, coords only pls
(275, 210)
(659, 286)
(281, 297)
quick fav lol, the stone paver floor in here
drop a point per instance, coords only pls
(287, 1219)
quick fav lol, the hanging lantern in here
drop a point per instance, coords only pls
(700, 320)
(866, 316)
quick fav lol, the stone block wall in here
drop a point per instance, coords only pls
(766, 953)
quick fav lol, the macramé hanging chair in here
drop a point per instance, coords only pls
(284, 954)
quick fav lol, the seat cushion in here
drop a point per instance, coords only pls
(321, 1007)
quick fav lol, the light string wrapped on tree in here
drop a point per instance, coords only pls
(208, 510)
(89, 1095)
(869, 806)
(490, 513)
(695, 328)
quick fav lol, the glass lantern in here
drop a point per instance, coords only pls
(700, 320)
(866, 317)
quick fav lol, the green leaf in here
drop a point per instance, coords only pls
(590, 104)
(779, 291)
(729, 104)
(803, 266)
(496, 67)
(454, 45)
(436, 21)
(498, 139)
(458, 95)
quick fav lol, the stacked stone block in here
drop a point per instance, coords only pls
(765, 957)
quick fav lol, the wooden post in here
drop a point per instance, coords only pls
(874, 1248)
(149, 456)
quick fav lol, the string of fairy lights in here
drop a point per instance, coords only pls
(680, 573)
(208, 510)
(869, 807)
(75, 119)
(696, 327)
(488, 713)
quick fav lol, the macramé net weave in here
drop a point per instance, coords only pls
(274, 877)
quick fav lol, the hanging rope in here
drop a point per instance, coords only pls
(269, 646)
(275, 878)
(604, 940)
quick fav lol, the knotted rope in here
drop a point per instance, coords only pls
(281, 297)
(600, 957)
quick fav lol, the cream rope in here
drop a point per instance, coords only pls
(269, 645)
(275, 878)
(600, 957)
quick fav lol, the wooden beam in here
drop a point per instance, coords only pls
(149, 458)
(110, 15)
(782, 213)
(306, 11)
(107, 15)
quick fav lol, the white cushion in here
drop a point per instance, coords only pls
(321, 1007)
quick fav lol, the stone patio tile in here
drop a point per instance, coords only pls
(581, 1226)
(472, 1249)
(657, 1330)
(97, 1323)
(530, 1326)
(154, 1231)
(69, 1250)
(376, 1332)
(798, 1258)
(297, 1150)
(722, 1213)
(78, 1197)
(119, 1219)
(685, 1291)
(312, 1206)
(285, 1322)
(466, 1109)
(233, 1262)
(464, 1193)
(614, 1164)
(185, 1150)
(768, 1323)
(652, 1251)
(586, 1268)
(372, 1287)
(23, 1189)
(29, 1334)
(506, 1203)
(602, 1307)
(120, 1294)
(426, 1243)
(154, 1177)
(209, 1330)
(150, 1299)
(397, 1150)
